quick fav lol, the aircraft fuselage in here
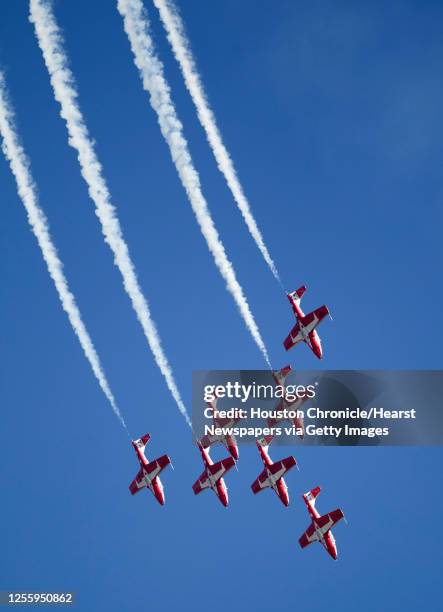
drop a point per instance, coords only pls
(327, 539)
(312, 339)
(154, 484)
(278, 484)
(218, 486)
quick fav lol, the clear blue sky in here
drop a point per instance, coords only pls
(333, 114)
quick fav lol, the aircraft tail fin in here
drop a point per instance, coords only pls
(264, 442)
(311, 495)
(142, 442)
(280, 375)
(297, 294)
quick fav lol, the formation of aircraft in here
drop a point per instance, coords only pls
(320, 528)
(212, 476)
(148, 475)
(229, 442)
(304, 330)
(272, 476)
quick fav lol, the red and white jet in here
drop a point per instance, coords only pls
(229, 442)
(148, 475)
(212, 477)
(283, 404)
(304, 329)
(272, 475)
(320, 528)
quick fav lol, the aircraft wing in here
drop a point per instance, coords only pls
(219, 469)
(261, 483)
(277, 469)
(138, 483)
(308, 537)
(218, 420)
(294, 337)
(327, 521)
(311, 320)
(157, 465)
(201, 484)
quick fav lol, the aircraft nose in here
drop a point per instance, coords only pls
(285, 498)
(316, 347)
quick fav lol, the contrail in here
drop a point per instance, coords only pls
(27, 191)
(136, 26)
(182, 50)
(51, 43)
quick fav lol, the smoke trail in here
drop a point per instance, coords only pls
(19, 164)
(136, 26)
(180, 45)
(51, 43)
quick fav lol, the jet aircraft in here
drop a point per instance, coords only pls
(304, 330)
(320, 528)
(212, 476)
(272, 475)
(148, 475)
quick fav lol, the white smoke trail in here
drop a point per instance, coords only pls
(51, 43)
(181, 48)
(19, 164)
(136, 26)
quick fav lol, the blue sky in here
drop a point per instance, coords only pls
(332, 113)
